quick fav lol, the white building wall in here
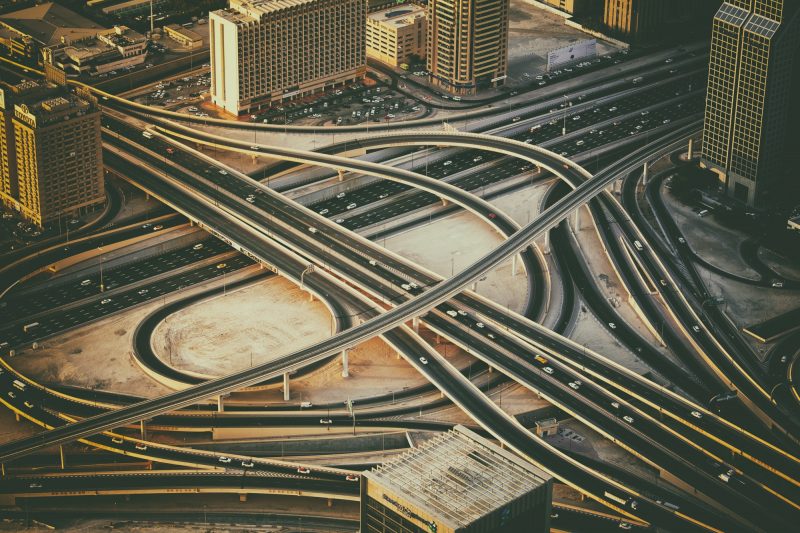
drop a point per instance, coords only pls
(224, 49)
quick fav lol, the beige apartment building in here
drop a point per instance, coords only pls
(267, 51)
(467, 44)
(397, 35)
(51, 152)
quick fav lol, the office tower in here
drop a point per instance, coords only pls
(751, 110)
(636, 19)
(51, 153)
(467, 44)
(458, 481)
(265, 51)
(397, 35)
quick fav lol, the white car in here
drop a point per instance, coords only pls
(447, 163)
(697, 414)
(480, 325)
(86, 282)
(325, 421)
(224, 459)
(352, 206)
(548, 369)
(303, 470)
(574, 385)
(340, 195)
(612, 325)
(423, 360)
(247, 464)
(324, 212)
(452, 313)
(105, 301)
(628, 419)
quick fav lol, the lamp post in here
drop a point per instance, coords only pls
(309, 269)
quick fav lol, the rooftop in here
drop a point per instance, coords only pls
(458, 477)
(249, 10)
(48, 22)
(397, 16)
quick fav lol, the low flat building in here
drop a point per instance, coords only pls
(456, 482)
(52, 161)
(128, 8)
(117, 48)
(397, 35)
(47, 24)
(184, 36)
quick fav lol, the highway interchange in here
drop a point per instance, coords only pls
(274, 232)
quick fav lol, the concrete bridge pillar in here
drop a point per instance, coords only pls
(415, 324)
(474, 286)
(220, 404)
(142, 431)
(690, 153)
(341, 174)
(61, 456)
(645, 173)
(546, 245)
(445, 202)
(345, 364)
(286, 392)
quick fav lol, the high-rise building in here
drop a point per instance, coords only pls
(456, 482)
(751, 110)
(467, 44)
(51, 152)
(578, 8)
(638, 19)
(397, 35)
(265, 51)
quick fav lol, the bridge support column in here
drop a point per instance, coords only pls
(415, 324)
(243, 497)
(645, 173)
(474, 286)
(690, 153)
(61, 456)
(546, 244)
(220, 404)
(330, 502)
(286, 392)
(341, 174)
(576, 222)
(142, 431)
(445, 202)
(345, 364)
(310, 296)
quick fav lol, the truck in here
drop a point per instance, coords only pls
(404, 66)
(27, 327)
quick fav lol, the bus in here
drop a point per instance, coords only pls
(18, 384)
(28, 327)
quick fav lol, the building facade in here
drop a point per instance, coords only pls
(751, 110)
(397, 35)
(636, 19)
(578, 8)
(116, 48)
(51, 151)
(467, 44)
(266, 51)
(456, 482)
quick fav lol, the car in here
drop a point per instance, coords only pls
(447, 163)
(35, 486)
(303, 470)
(339, 220)
(351, 477)
(625, 525)
(681, 240)
(777, 284)
(492, 215)
(516, 119)
(612, 325)
(548, 369)
(141, 447)
(576, 117)
(574, 385)
(383, 195)
(351, 206)
(223, 172)
(612, 109)
(615, 405)
(142, 292)
(452, 313)
(477, 159)
(28, 404)
(255, 148)
(221, 265)
(105, 301)
(580, 143)
(224, 459)
(703, 213)
(197, 246)
(480, 325)
(373, 262)
(11, 394)
(628, 419)
(117, 440)
(461, 311)
(340, 195)
(247, 464)
(325, 421)
(86, 282)
(491, 336)
(405, 286)
(697, 414)
(158, 228)
(423, 360)
(324, 212)
(696, 328)
(663, 282)
(669, 60)
(724, 477)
